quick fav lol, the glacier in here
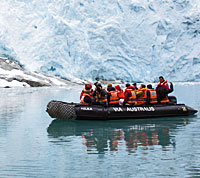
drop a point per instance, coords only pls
(132, 40)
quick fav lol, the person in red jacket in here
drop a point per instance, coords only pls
(86, 94)
(163, 83)
(119, 91)
(128, 93)
(87, 90)
(163, 90)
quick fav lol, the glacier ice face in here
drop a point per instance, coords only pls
(132, 40)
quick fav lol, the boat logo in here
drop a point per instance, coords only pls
(184, 108)
(116, 109)
(135, 109)
(86, 108)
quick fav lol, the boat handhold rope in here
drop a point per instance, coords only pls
(71, 111)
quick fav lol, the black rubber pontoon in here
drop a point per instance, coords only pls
(74, 111)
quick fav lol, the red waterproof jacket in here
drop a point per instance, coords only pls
(164, 84)
(127, 94)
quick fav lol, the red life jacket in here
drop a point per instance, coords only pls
(164, 84)
(132, 98)
(165, 100)
(153, 96)
(120, 94)
(83, 97)
(114, 99)
(89, 92)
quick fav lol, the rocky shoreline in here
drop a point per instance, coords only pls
(13, 74)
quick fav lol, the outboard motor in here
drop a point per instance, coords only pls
(172, 99)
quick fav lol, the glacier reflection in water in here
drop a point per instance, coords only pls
(34, 145)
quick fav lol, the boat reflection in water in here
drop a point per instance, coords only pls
(103, 136)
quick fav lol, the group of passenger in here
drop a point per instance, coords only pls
(132, 95)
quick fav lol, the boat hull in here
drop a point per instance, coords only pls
(73, 111)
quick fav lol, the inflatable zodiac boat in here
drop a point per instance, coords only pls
(75, 111)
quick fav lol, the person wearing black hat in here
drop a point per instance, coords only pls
(99, 94)
(163, 83)
(163, 90)
(135, 85)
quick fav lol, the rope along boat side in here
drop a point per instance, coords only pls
(74, 111)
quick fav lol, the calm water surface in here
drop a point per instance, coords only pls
(34, 145)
